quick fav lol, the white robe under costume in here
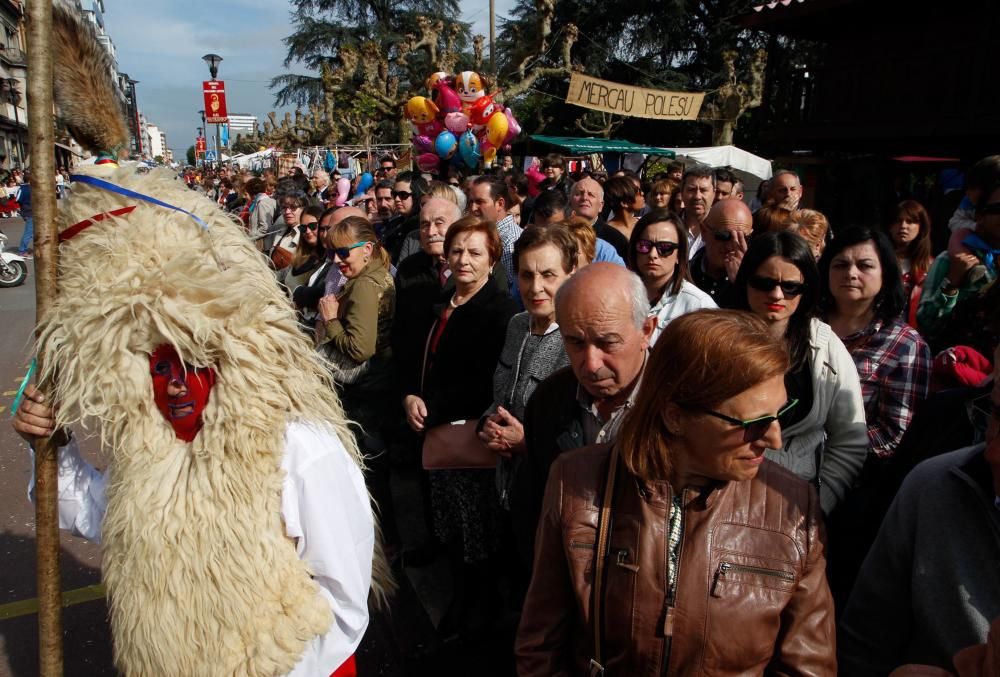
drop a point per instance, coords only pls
(325, 509)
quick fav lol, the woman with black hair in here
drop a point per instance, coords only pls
(658, 254)
(863, 299)
(406, 194)
(824, 439)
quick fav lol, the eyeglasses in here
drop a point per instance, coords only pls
(767, 284)
(402, 194)
(324, 229)
(982, 410)
(755, 428)
(388, 167)
(289, 208)
(343, 252)
(663, 247)
(310, 226)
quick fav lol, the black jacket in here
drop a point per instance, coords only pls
(459, 384)
(552, 425)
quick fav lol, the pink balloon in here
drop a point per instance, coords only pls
(513, 126)
(447, 99)
(428, 162)
(423, 144)
(429, 129)
(456, 123)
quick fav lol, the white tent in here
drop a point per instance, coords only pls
(750, 168)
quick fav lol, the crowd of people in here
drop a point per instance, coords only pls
(750, 487)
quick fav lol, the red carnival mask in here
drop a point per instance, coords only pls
(180, 390)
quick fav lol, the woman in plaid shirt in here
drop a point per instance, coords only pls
(862, 299)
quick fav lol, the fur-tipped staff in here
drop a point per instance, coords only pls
(42, 135)
(94, 120)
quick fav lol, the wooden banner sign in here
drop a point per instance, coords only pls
(612, 97)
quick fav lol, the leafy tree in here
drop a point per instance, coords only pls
(191, 158)
(691, 45)
(158, 159)
(365, 58)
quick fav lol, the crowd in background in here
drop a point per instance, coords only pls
(763, 387)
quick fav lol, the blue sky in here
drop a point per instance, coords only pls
(160, 44)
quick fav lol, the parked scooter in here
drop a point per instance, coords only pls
(13, 268)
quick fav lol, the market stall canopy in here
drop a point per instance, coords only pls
(586, 146)
(739, 160)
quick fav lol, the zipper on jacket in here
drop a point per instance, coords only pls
(581, 544)
(668, 612)
(725, 568)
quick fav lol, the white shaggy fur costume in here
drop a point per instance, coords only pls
(200, 575)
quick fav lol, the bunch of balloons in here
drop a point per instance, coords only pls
(459, 122)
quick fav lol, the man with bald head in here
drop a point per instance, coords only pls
(586, 200)
(725, 231)
(602, 314)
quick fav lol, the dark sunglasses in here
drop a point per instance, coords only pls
(343, 252)
(310, 226)
(723, 235)
(401, 194)
(663, 247)
(388, 167)
(755, 428)
(767, 284)
(991, 208)
(324, 229)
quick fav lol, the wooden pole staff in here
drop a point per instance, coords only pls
(42, 135)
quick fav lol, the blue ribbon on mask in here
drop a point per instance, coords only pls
(115, 188)
(987, 254)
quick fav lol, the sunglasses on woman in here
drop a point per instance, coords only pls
(663, 247)
(755, 428)
(767, 284)
(343, 252)
(401, 194)
(310, 226)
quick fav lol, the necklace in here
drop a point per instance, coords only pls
(451, 301)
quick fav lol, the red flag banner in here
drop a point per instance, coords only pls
(215, 102)
(199, 145)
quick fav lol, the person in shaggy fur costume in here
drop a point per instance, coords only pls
(238, 536)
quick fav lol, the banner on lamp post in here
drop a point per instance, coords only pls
(642, 102)
(199, 145)
(215, 102)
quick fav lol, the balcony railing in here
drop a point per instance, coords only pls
(13, 56)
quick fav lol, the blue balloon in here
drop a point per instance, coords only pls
(364, 183)
(468, 148)
(445, 145)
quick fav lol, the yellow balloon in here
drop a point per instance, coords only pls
(496, 128)
(489, 155)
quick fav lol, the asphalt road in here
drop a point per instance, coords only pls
(87, 645)
(400, 642)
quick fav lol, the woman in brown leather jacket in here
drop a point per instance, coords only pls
(695, 554)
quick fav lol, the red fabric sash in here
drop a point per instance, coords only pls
(348, 669)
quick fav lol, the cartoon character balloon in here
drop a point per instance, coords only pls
(468, 149)
(496, 129)
(481, 111)
(456, 123)
(470, 89)
(422, 114)
(447, 98)
(445, 145)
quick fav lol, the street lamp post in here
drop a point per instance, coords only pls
(14, 98)
(213, 61)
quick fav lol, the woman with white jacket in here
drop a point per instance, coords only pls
(824, 438)
(658, 254)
